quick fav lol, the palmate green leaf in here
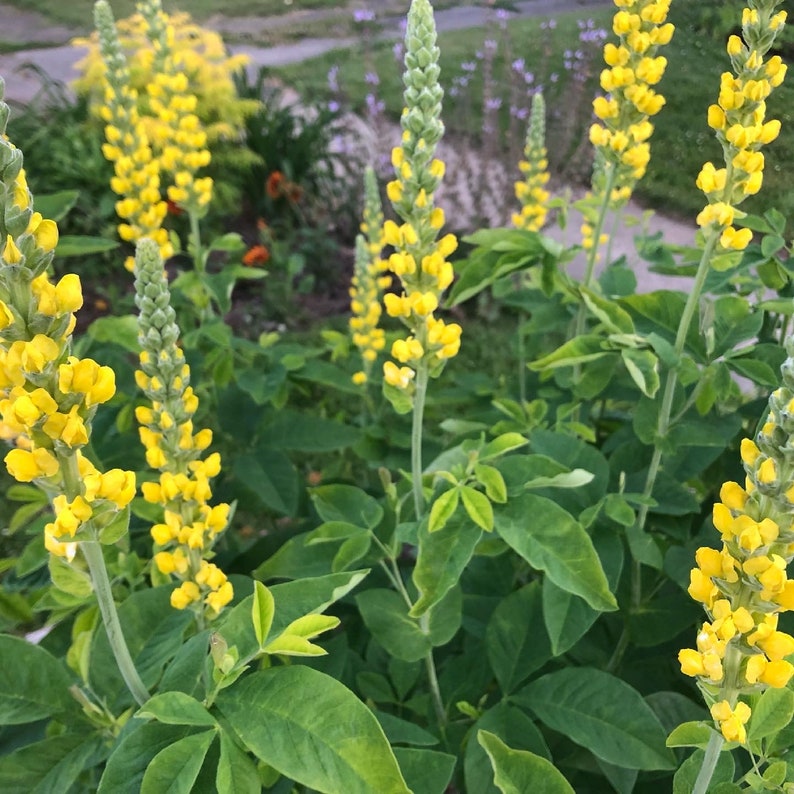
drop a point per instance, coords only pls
(425, 771)
(236, 773)
(478, 507)
(519, 771)
(176, 708)
(516, 640)
(312, 729)
(441, 559)
(50, 766)
(385, 614)
(175, 768)
(33, 684)
(549, 539)
(603, 714)
(773, 711)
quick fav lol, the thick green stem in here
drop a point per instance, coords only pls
(432, 677)
(422, 376)
(92, 552)
(709, 764)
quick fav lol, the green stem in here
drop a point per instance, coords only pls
(665, 412)
(195, 241)
(92, 552)
(522, 360)
(709, 763)
(422, 377)
(432, 677)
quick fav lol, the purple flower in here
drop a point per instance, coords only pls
(493, 103)
(333, 106)
(469, 66)
(518, 65)
(370, 78)
(553, 77)
(333, 82)
(363, 15)
(490, 45)
(399, 50)
(529, 78)
(519, 113)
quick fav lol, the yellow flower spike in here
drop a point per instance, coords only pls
(777, 674)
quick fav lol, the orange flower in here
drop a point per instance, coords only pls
(174, 208)
(274, 187)
(256, 255)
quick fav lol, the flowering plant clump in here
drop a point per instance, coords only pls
(531, 191)
(204, 61)
(743, 586)
(368, 281)
(738, 119)
(190, 525)
(137, 169)
(49, 397)
(420, 259)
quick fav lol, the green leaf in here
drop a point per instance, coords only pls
(347, 503)
(446, 617)
(121, 331)
(176, 708)
(312, 729)
(262, 611)
(69, 579)
(549, 539)
(82, 245)
(519, 771)
(33, 684)
(425, 771)
(501, 445)
(568, 617)
(400, 731)
(695, 733)
(385, 614)
(685, 777)
(303, 432)
(271, 478)
(175, 768)
(513, 727)
(441, 559)
(643, 366)
(572, 353)
(237, 773)
(773, 711)
(443, 509)
(116, 529)
(130, 757)
(478, 506)
(603, 714)
(616, 319)
(491, 479)
(515, 640)
(51, 766)
(56, 205)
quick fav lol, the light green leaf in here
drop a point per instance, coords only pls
(56, 205)
(478, 506)
(566, 479)
(33, 684)
(237, 773)
(119, 330)
(262, 610)
(685, 777)
(603, 714)
(573, 352)
(773, 711)
(491, 479)
(443, 508)
(691, 734)
(293, 645)
(69, 579)
(312, 729)
(176, 708)
(616, 319)
(643, 366)
(519, 771)
(82, 245)
(175, 768)
(312, 625)
(549, 539)
(385, 614)
(501, 445)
